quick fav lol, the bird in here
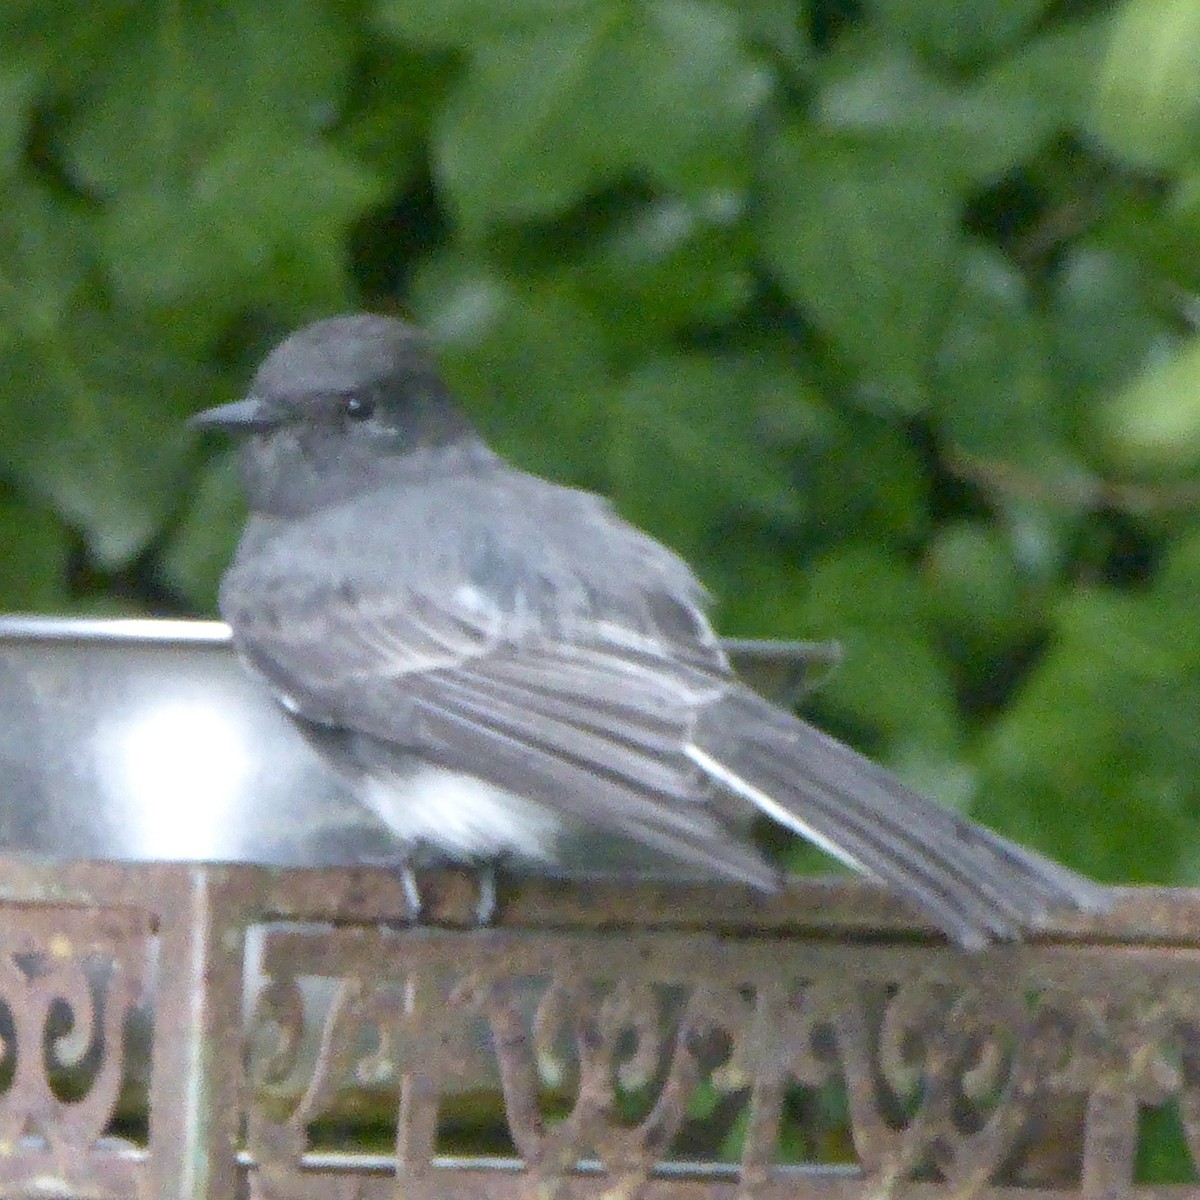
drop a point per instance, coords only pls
(498, 664)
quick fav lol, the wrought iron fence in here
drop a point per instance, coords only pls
(186, 1030)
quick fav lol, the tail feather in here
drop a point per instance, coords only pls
(975, 885)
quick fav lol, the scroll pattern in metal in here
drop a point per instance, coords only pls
(69, 981)
(1024, 1068)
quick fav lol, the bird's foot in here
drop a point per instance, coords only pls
(485, 903)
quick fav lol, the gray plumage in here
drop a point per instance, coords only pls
(499, 663)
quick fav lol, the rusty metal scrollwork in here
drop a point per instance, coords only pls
(954, 1071)
(69, 981)
(637, 1050)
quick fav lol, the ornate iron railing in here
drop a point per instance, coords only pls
(195, 1031)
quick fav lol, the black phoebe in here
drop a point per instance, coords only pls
(499, 663)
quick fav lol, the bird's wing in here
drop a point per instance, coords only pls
(540, 674)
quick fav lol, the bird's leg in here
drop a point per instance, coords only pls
(412, 894)
(485, 905)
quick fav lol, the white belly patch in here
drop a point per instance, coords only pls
(462, 816)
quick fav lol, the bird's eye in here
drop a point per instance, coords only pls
(358, 408)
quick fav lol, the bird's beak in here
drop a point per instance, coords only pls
(242, 416)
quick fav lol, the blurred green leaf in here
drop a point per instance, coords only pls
(867, 87)
(287, 203)
(1102, 327)
(1147, 105)
(963, 31)
(892, 675)
(992, 382)
(669, 263)
(1158, 235)
(264, 216)
(1176, 229)
(1152, 427)
(976, 588)
(536, 123)
(529, 356)
(201, 546)
(976, 129)
(45, 258)
(1097, 750)
(1028, 97)
(865, 237)
(387, 116)
(159, 251)
(94, 429)
(227, 195)
(688, 446)
(757, 590)
(36, 558)
(1178, 579)
(19, 82)
(186, 77)
(781, 27)
(1042, 531)
(67, 42)
(468, 22)
(1003, 425)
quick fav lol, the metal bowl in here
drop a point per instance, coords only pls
(146, 740)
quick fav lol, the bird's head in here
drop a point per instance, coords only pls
(337, 408)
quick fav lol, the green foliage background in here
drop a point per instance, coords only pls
(882, 311)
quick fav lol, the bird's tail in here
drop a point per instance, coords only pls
(974, 884)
